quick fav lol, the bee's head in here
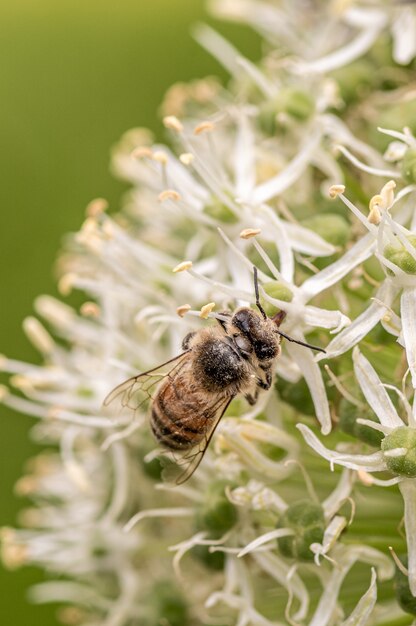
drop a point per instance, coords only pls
(252, 333)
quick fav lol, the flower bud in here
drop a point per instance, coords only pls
(409, 166)
(348, 414)
(399, 449)
(293, 102)
(275, 289)
(212, 560)
(404, 596)
(398, 254)
(216, 513)
(307, 521)
(166, 606)
(332, 227)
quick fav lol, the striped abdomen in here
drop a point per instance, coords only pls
(181, 415)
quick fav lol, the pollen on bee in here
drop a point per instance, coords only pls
(169, 194)
(172, 122)
(186, 158)
(204, 127)
(206, 310)
(183, 309)
(248, 233)
(335, 190)
(182, 267)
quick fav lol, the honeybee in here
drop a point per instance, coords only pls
(189, 394)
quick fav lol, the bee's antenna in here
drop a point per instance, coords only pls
(301, 343)
(256, 291)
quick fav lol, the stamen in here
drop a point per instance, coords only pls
(343, 391)
(398, 562)
(169, 194)
(204, 127)
(183, 309)
(182, 267)
(172, 122)
(248, 233)
(206, 310)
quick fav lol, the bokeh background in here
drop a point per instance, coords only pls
(74, 75)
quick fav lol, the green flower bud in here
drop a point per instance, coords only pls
(332, 227)
(213, 560)
(348, 414)
(220, 212)
(355, 80)
(409, 166)
(398, 254)
(277, 290)
(404, 464)
(307, 521)
(297, 103)
(166, 606)
(216, 514)
(404, 596)
(296, 395)
(292, 101)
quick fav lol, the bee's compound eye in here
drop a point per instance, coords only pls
(243, 343)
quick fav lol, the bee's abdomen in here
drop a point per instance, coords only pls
(178, 422)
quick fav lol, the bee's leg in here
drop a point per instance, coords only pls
(267, 383)
(187, 340)
(222, 323)
(252, 398)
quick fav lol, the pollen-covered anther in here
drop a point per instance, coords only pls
(186, 158)
(21, 382)
(4, 392)
(172, 122)
(26, 485)
(142, 152)
(169, 194)
(66, 284)
(387, 193)
(182, 267)
(376, 203)
(335, 190)
(90, 309)
(204, 127)
(206, 310)
(248, 233)
(53, 412)
(38, 335)
(365, 478)
(183, 309)
(96, 207)
(13, 553)
(160, 156)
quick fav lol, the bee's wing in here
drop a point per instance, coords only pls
(137, 392)
(187, 462)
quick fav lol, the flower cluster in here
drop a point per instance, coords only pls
(299, 169)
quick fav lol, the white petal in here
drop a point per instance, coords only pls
(408, 315)
(218, 47)
(306, 241)
(367, 462)
(322, 318)
(335, 272)
(293, 170)
(339, 495)
(408, 491)
(352, 50)
(362, 325)
(313, 377)
(374, 391)
(404, 36)
(244, 165)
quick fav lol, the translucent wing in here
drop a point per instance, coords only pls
(188, 461)
(137, 392)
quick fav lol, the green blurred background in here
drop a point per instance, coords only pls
(74, 76)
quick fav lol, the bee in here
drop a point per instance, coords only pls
(188, 395)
